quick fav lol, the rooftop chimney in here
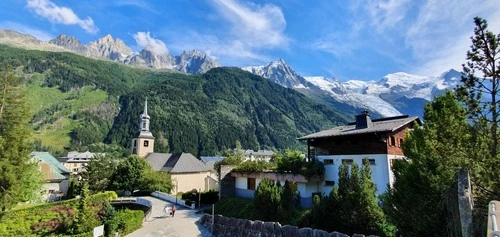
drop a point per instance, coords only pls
(363, 120)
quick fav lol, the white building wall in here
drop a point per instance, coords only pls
(381, 173)
(241, 182)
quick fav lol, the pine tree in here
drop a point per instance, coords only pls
(479, 92)
(20, 179)
(84, 220)
(267, 199)
(434, 152)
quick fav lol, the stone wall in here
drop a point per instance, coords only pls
(224, 226)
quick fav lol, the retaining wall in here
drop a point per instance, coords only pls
(224, 226)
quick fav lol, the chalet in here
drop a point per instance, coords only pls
(187, 171)
(377, 140)
(56, 176)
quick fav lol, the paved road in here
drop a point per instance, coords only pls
(182, 225)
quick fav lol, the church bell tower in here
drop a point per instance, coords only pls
(144, 142)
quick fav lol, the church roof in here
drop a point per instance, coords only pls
(176, 162)
(381, 125)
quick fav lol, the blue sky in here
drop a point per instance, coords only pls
(358, 39)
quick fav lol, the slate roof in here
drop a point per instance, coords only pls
(210, 160)
(176, 162)
(381, 125)
(51, 168)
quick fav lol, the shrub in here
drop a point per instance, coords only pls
(48, 218)
(210, 197)
(125, 222)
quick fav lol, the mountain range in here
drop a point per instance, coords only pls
(394, 94)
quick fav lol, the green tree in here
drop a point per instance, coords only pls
(435, 152)
(129, 174)
(99, 172)
(479, 92)
(267, 199)
(157, 181)
(84, 220)
(352, 206)
(19, 180)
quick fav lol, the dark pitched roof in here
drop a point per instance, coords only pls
(390, 124)
(210, 160)
(176, 162)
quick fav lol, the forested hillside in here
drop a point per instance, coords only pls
(79, 102)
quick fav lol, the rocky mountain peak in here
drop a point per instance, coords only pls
(195, 61)
(68, 42)
(107, 47)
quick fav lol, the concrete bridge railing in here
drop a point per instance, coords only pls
(493, 219)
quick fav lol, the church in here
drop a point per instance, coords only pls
(187, 171)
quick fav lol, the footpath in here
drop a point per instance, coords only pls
(181, 225)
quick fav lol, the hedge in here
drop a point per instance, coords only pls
(125, 222)
(47, 219)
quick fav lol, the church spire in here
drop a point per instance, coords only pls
(144, 123)
(145, 107)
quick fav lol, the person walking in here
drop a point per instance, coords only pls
(174, 208)
(166, 210)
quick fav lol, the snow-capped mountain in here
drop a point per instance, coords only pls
(279, 72)
(395, 94)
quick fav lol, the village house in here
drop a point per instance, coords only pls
(377, 140)
(264, 155)
(56, 176)
(76, 161)
(187, 171)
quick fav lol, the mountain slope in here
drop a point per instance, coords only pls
(86, 101)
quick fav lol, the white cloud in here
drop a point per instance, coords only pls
(231, 52)
(387, 14)
(254, 25)
(145, 40)
(60, 15)
(39, 34)
(440, 35)
(135, 3)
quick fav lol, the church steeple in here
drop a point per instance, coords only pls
(144, 123)
(144, 142)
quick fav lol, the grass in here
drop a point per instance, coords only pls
(56, 134)
(245, 208)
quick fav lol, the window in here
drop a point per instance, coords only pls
(392, 141)
(347, 161)
(146, 143)
(328, 161)
(135, 143)
(251, 183)
(401, 142)
(372, 161)
(144, 125)
(329, 183)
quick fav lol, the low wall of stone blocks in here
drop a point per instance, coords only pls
(232, 227)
